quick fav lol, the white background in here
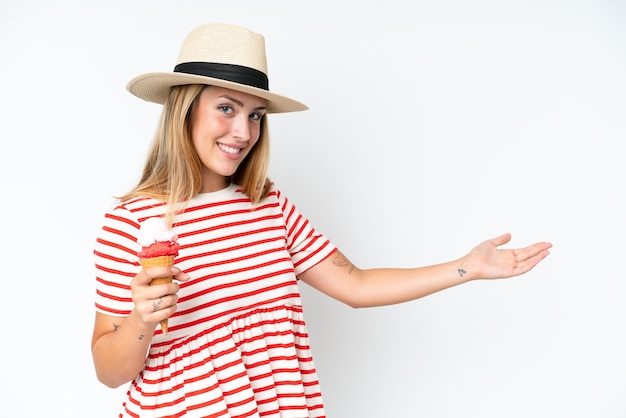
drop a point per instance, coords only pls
(433, 125)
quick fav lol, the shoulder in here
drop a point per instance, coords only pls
(135, 210)
(274, 193)
(140, 203)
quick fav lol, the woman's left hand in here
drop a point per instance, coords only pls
(487, 261)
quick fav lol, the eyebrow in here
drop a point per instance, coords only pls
(240, 103)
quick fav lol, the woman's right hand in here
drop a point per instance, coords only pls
(156, 302)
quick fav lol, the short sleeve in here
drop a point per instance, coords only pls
(306, 245)
(116, 262)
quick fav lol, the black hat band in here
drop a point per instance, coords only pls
(228, 72)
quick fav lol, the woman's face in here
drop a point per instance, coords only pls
(225, 125)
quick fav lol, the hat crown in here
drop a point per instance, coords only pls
(217, 54)
(225, 44)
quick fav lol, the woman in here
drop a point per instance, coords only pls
(237, 343)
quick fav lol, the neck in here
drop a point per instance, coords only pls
(214, 185)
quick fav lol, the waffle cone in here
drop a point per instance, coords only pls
(162, 261)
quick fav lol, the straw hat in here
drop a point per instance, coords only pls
(221, 55)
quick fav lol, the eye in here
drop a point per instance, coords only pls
(226, 108)
(256, 115)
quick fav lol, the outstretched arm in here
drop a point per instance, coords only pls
(339, 278)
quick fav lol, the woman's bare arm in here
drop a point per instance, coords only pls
(119, 345)
(339, 278)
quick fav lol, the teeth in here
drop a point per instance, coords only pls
(228, 149)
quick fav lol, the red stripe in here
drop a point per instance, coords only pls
(230, 249)
(207, 279)
(294, 237)
(227, 225)
(113, 297)
(131, 205)
(235, 297)
(115, 271)
(113, 284)
(221, 214)
(313, 254)
(121, 219)
(229, 312)
(114, 259)
(120, 233)
(214, 205)
(119, 247)
(114, 312)
(179, 344)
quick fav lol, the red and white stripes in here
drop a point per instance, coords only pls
(237, 344)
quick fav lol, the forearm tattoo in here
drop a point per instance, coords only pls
(116, 327)
(341, 261)
(461, 272)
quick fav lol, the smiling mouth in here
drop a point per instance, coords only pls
(229, 150)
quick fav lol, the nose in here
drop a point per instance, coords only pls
(241, 128)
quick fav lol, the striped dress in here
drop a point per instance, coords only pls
(237, 346)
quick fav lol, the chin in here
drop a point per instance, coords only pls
(227, 172)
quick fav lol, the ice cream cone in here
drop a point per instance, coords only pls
(162, 261)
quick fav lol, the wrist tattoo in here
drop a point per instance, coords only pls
(116, 327)
(141, 336)
(461, 272)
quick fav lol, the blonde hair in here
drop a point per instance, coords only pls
(173, 170)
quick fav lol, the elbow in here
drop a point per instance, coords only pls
(111, 377)
(356, 299)
(110, 385)
(352, 303)
(355, 303)
(359, 300)
(111, 381)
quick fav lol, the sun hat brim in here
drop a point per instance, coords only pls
(155, 87)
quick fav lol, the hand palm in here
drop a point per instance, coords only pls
(490, 262)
